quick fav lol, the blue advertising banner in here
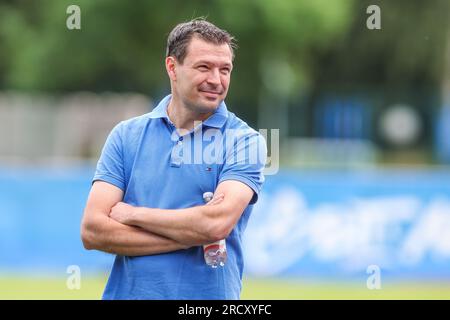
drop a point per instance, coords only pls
(40, 215)
(336, 223)
(306, 223)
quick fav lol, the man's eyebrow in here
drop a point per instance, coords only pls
(212, 63)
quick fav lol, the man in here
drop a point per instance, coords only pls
(146, 202)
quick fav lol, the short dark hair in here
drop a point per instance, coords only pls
(181, 35)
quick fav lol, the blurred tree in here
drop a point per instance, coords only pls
(409, 49)
(121, 45)
(401, 63)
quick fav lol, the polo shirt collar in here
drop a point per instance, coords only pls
(160, 111)
(216, 120)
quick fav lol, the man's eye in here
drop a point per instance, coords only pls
(225, 71)
(202, 68)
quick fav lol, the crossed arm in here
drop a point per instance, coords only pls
(112, 226)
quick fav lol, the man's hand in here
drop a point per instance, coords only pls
(100, 232)
(195, 225)
(125, 213)
(216, 199)
(122, 212)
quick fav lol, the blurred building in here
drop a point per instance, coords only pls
(48, 129)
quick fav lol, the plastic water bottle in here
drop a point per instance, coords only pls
(215, 253)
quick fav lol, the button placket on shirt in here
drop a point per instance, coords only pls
(176, 157)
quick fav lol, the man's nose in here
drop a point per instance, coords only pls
(214, 77)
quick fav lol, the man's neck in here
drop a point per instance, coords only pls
(182, 117)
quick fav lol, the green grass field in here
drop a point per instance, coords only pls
(91, 288)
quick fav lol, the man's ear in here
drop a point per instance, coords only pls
(171, 64)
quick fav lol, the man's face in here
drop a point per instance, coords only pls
(202, 80)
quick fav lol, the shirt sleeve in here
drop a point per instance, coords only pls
(245, 161)
(110, 166)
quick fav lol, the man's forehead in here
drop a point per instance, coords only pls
(200, 50)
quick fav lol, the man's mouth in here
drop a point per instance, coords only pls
(211, 94)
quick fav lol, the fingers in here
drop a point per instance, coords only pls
(216, 199)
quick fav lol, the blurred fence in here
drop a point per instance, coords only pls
(442, 135)
(344, 130)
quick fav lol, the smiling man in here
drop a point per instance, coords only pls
(146, 202)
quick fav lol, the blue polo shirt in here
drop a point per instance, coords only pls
(157, 166)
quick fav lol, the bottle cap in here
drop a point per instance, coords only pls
(207, 196)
